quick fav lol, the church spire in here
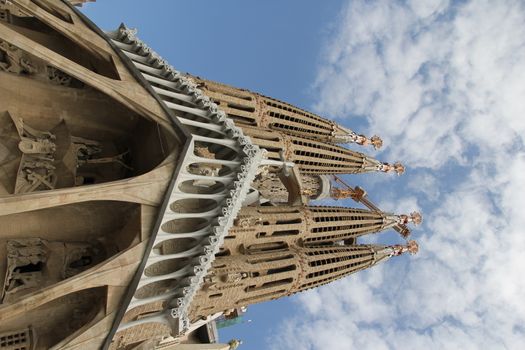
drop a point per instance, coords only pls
(346, 260)
(250, 108)
(316, 157)
(248, 278)
(263, 228)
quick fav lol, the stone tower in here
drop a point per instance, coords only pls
(138, 203)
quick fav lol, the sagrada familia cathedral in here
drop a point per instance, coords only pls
(138, 204)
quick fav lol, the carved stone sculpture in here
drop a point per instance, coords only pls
(25, 259)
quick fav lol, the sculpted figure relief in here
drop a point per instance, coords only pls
(205, 169)
(12, 60)
(25, 259)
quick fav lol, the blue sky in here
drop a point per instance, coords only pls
(443, 83)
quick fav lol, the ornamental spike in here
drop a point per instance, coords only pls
(397, 167)
(412, 248)
(414, 217)
(376, 141)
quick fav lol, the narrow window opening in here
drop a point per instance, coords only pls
(281, 269)
(270, 259)
(285, 233)
(223, 252)
(288, 222)
(271, 284)
(264, 247)
(242, 108)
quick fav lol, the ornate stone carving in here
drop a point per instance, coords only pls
(371, 164)
(81, 256)
(247, 222)
(205, 169)
(12, 60)
(414, 217)
(25, 259)
(397, 167)
(308, 192)
(87, 151)
(56, 76)
(223, 280)
(263, 172)
(395, 250)
(392, 220)
(36, 171)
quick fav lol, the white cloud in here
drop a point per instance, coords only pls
(432, 86)
(426, 184)
(443, 83)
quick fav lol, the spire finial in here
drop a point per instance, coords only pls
(376, 141)
(412, 248)
(397, 167)
(414, 217)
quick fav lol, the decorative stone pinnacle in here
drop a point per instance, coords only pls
(397, 167)
(414, 217)
(376, 141)
(412, 248)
